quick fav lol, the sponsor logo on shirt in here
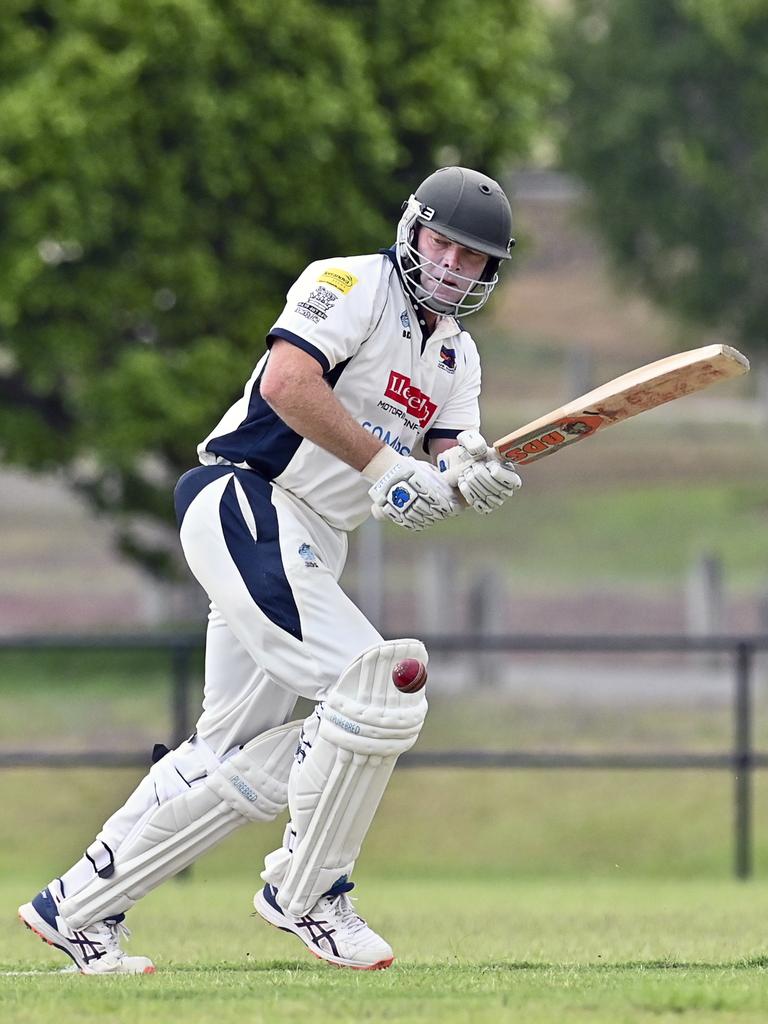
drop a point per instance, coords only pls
(447, 359)
(417, 404)
(341, 279)
(317, 305)
(384, 435)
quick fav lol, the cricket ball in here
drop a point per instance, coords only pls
(409, 675)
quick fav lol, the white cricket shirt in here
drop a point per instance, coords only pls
(353, 315)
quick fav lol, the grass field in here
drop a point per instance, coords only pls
(548, 896)
(634, 506)
(526, 896)
(483, 951)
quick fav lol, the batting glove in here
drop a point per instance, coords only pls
(486, 485)
(484, 480)
(410, 494)
(470, 446)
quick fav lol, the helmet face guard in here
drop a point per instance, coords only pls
(467, 208)
(423, 278)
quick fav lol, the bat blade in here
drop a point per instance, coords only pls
(637, 391)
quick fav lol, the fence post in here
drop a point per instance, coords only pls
(371, 577)
(743, 762)
(579, 370)
(486, 615)
(762, 390)
(705, 596)
(437, 576)
(180, 668)
(180, 725)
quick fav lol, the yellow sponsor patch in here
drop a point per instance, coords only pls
(340, 279)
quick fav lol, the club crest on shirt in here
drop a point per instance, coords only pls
(406, 322)
(316, 307)
(447, 359)
(308, 555)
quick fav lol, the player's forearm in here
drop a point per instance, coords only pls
(438, 445)
(310, 408)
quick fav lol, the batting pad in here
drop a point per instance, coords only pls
(252, 785)
(333, 793)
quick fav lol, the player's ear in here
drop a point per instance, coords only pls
(491, 268)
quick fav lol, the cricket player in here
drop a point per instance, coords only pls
(367, 362)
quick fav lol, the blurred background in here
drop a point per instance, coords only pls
(167, 168)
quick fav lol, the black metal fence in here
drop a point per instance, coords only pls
(742, 759)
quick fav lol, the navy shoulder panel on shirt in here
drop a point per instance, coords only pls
(263, 440)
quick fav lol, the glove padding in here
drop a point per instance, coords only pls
(471, 446)
(484, 479)
(486, 484)
(414, 495)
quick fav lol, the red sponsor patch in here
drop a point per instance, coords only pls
(419, 405)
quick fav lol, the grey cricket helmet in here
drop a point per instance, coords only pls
(468, 208)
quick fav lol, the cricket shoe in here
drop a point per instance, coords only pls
(331, 929)
(95, 950)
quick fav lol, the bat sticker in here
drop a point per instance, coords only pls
(555, 435)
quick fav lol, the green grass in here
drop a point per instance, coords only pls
(102, 699)
(523, 896)
(458, 823)
(599, 897)
(485, 950)
(630, 508)
(630, 535)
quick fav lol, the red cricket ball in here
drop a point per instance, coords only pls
(409, 675)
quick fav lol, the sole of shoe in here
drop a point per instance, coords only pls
(278, 921)
(30, 918)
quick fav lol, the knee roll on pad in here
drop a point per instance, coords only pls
(193, 811)
(333, 792)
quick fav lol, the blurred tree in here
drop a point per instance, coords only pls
(167, 167)
(666, 120)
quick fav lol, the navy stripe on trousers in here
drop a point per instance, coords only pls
(259, 561)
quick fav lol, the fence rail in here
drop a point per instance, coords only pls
(741, 759)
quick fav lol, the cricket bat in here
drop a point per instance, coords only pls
(641, 389)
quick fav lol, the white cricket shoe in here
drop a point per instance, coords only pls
(331, 929)
(95, 950)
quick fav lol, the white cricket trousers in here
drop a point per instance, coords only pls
(280, 625)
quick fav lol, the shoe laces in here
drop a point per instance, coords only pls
(109, 933)
(345, 913)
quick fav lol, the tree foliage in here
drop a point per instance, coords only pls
(667, 121)
(167, 167)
